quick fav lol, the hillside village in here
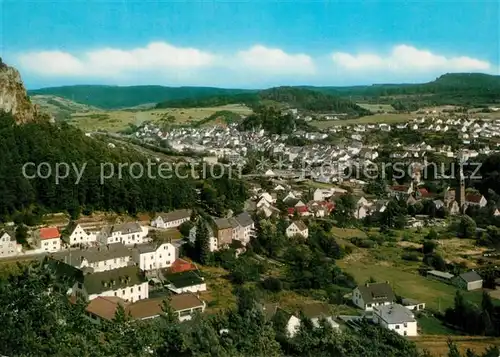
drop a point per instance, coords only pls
(303, 238)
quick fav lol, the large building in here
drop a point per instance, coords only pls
(396, 318)
(97, 259)
(126, 233)
(127, 283)
(8, 244)
(50, 239)
(372, 295)
(171, 219)
(183, 305)
(151, 256)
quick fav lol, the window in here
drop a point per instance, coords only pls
(131, 290)
(397, 327)
(123, 292)
(116, 293)
(405, 333)
(405, 324)
(114, 260)
(368, 305)
(139, 288)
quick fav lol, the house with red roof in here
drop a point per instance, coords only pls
(50, 239)
(475, 200)
(181, 266)
(302, 211)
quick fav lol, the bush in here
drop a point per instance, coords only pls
(363, 243)
(411, 257)
(272, 284)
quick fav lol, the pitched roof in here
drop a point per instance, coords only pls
(394, 314)
(376, 292)
(181, 265)
(130, 227)
(176, 215)
(113, 279)
(11, 234)
(300, 225)
(93, 254)
(470, 276)
(244, 219)
(222, 223)
(473, 198)
(49, 233)
(105, 307)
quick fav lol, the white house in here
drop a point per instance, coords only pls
(8, 244)
(97, 259)
(127, 283)
(243, 227)
(79, 235)
(297, 228)
(371, 295)
(151, 256)
(126, 233)
(172, 219)
(396, 318)
(50, 239)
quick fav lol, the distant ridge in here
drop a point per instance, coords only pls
(449, 88)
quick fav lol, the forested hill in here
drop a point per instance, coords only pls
(294, 97)
(116, 97)
(467, 89)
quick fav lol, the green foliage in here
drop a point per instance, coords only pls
(226, 116)
(202, 242)
(466, 227)
(113, 97)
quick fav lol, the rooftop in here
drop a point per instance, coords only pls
(394, 314)
(176, 215)
(376, 292)
(49, 233)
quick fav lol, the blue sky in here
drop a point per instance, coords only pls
(247, 44)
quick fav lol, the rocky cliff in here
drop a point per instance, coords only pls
(13, 97)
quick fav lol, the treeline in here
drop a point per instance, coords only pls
(39, 324)
(295, 97)
(273, 121)
(127, 191)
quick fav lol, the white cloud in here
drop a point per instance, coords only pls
(275, 61)
(158, 57)
(256, 66)
(405, 58)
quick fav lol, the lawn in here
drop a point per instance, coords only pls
(117, 120)
(438, 344)
(347, 233)
(407, 282)
(219, 294)
(376, 107)
(370, 119)
(429, 325)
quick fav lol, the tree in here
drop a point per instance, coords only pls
(428, 247)
(202, 242)
(21, 234)
(466, 227)
(344, 209)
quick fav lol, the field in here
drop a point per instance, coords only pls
(117, 120)
(374, 108)
(370, 119)
(438, 346)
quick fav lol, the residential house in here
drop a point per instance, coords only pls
(242, 227)
(397, 318)
(188, 281)
(151, 256)
(223, 232)
(50, 239)
(302, 211)
(181, 265)
(318, 311)
(371, 295)
(172, 219)
(183, 305)
(475, 200)
(469, 281)
(213, 244)
(97, 259)
(8, 244)
(127, 233)
(127, 283)
(297, 228)
(78, 235)
(321, 208)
